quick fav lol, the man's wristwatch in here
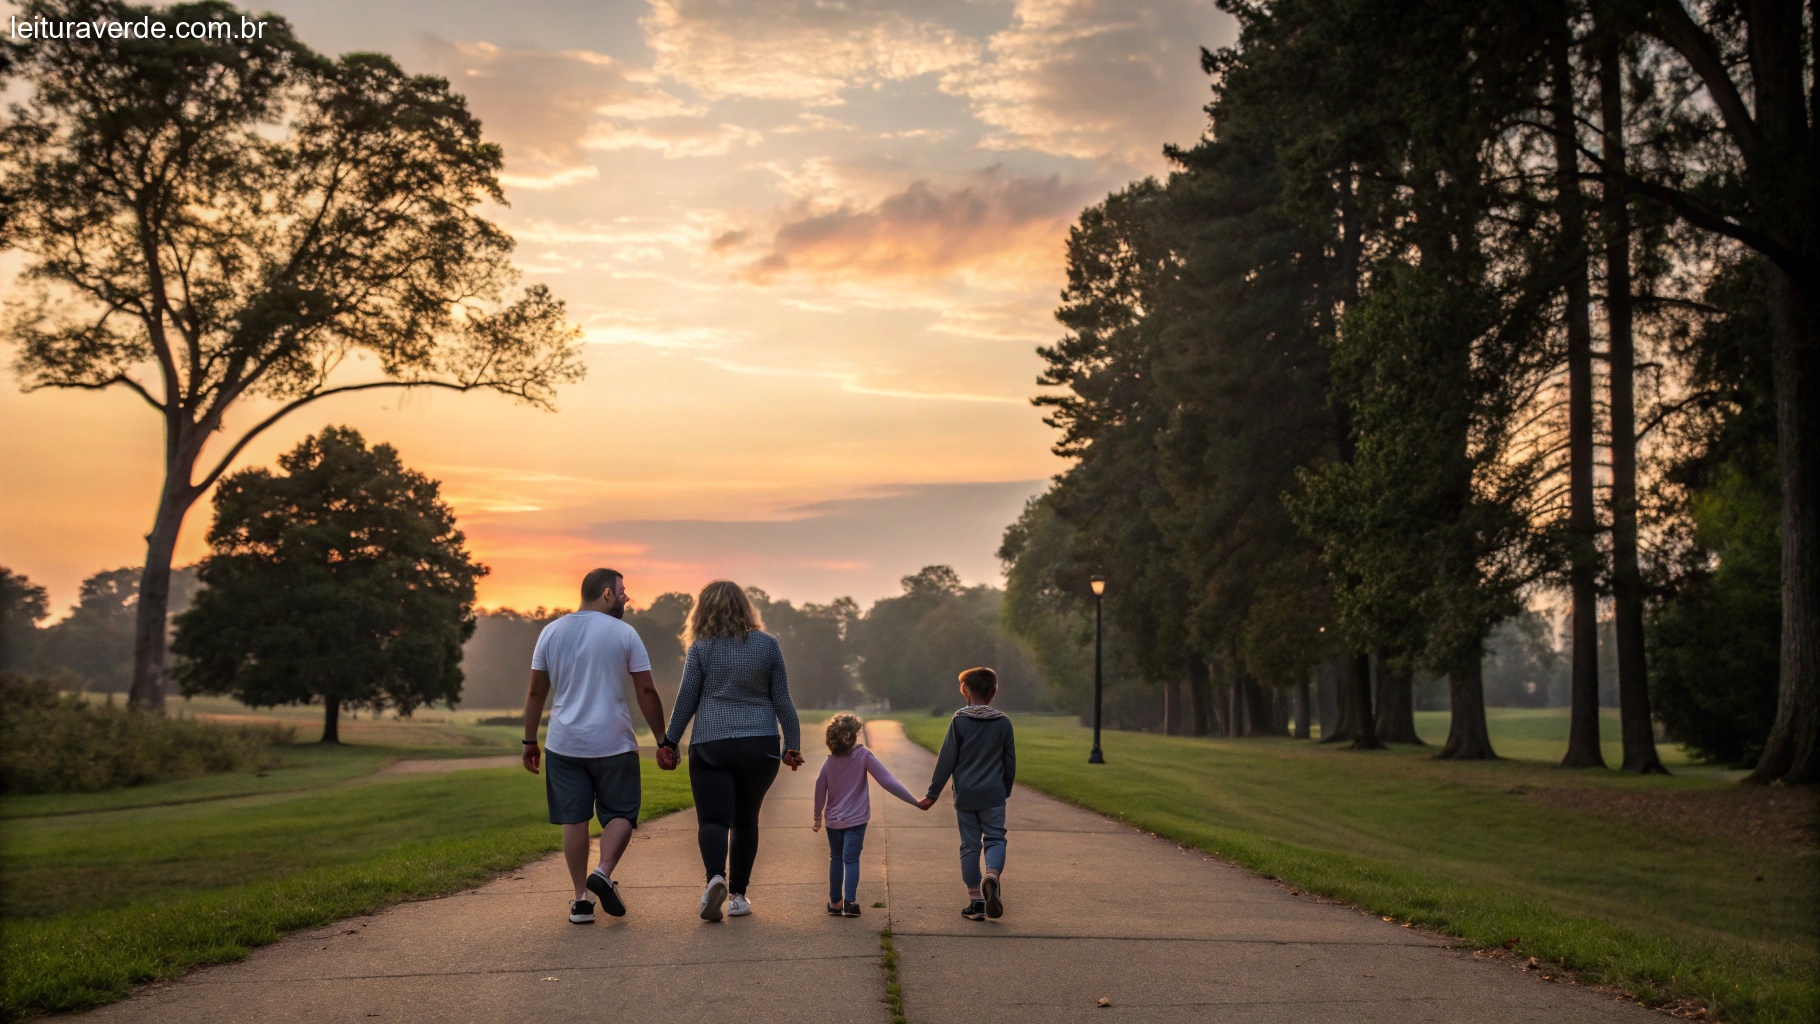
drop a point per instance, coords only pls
(528, 743)
(666, 742)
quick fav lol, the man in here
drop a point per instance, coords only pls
(587, 657)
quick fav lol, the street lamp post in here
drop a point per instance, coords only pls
(1099, 588)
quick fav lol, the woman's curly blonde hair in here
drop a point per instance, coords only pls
(723, 609)
(843, 733)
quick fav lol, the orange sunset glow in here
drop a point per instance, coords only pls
(812, 249)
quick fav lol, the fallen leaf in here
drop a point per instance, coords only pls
(1104, 1002)
(550, 979)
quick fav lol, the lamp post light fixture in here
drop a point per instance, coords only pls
(1099, 588)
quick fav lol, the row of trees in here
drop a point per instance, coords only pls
(1454, 304)
(904, 650)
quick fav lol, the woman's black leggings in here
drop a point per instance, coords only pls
(729, 778)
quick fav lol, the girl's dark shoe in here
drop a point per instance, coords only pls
(581, 912)
(850, 910)
(995, 909)
(834, 909)
(975, 911)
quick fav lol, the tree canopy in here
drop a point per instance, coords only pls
(341, 578)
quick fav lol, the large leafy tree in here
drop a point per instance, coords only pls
(211, 223)
(341, 579)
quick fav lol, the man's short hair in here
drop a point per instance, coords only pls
(980, 682)
(598, 582)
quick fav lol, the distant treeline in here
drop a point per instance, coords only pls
(904, 649)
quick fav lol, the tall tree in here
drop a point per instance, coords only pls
(1583, 747)
(342, 579)
(1754, 176)
(1636, 726)
(242, 215)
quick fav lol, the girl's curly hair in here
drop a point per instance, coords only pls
(843, 733)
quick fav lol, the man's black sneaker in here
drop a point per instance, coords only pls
(608, 891)
(989, 889)
(975, 911)
(581, 912)
(850, 910)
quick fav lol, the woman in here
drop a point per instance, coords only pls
(735, 688)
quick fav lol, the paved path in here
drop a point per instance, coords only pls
(1094, 909)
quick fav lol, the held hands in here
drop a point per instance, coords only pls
(668, 758)
(793, 758)
(925, 803)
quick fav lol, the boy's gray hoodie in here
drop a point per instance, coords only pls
(978, 753)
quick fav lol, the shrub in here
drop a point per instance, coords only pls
(52, 742)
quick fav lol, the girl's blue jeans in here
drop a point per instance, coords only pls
(844, 845)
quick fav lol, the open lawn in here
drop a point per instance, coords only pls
(1681, 889)
(100, 891)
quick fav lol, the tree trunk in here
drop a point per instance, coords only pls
(1365, 725)
(1792, 752)
(1627, 576)
(1346, 699)
(1304, 706)
(1396, 702)
(1235, 706)
(331, 719)
(151, 625)
(1583, 750)
(1327, 699)
(1200, 696)
(1468, 737)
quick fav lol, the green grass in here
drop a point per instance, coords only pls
(1647, 884)
(93, 903)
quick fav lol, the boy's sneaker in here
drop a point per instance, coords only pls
(850, 910)
(608, 891)
(712, 897)
(975, 911)
(581, 912)
(989, 889)
(738, 905)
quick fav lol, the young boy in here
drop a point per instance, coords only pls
(979, 755)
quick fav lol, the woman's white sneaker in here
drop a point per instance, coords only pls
(738, 905)
(712, 897)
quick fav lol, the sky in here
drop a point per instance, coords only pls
(812, 245)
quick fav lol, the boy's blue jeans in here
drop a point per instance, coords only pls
(981, 829)
(844, 845)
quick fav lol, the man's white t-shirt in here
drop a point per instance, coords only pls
(590, 657)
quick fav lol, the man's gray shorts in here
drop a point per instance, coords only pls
(606, 786)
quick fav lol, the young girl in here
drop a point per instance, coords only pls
(841, 788)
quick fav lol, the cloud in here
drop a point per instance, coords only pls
(1014, 225)
(1100, 80)
(673, 137)
(808, 51)
(545, 106)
